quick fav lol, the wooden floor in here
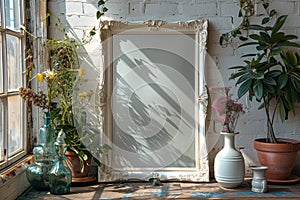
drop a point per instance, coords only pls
(168, 190)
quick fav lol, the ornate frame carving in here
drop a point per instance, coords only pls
(107, 30)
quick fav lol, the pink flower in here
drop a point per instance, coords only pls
(227, 110)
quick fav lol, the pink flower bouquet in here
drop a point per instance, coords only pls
(227, 109)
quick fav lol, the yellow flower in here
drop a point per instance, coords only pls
(50, 74)
(82, 95)
(40, 77)
(90, 93)
(81, 72)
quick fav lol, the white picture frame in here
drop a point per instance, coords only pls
(124, 43)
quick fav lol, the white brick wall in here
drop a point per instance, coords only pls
(222, 16)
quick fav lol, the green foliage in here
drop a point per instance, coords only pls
(99, 13)
(272, 73)
(246, 11)
(60, 78)
(64, 63)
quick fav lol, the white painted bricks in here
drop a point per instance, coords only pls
(222, 16)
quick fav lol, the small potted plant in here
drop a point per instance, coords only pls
(271, 75)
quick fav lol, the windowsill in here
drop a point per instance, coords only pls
(13, 181)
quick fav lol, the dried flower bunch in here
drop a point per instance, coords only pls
(38, 99)
(227, 109)
(58, 78)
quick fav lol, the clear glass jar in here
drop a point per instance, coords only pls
(38, 172)
(60, 174)
(35, 172)
(47, 141)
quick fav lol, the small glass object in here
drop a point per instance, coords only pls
(60, 174)
(47, 140)
(35, 172)
(38, 172)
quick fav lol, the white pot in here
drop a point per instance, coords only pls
(259, 182)
(229, 164)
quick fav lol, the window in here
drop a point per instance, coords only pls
(12, 115)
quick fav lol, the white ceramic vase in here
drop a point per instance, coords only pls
(229, 164)
(259, 182)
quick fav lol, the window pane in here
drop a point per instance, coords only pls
(1, 134)
(13, 63)
(1, 69)
(14, 124)
(12, 11)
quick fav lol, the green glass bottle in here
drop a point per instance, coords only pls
(47, 140)
(38, 172)
(47, 133)
(35, 172)
(60, 174)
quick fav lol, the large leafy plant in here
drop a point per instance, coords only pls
(271, 74)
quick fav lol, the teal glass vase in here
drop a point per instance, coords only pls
(38, 172)
(35, 172)
(47, 141)
(60, 174)
(47, 135)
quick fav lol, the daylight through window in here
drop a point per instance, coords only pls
(12, 126)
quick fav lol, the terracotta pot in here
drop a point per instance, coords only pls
(279, 157)
(73, 163)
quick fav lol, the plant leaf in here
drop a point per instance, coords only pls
(105, 9)
(240, 13)
(261, 106)
(282, 112)
(265, 5)
(291, 58)
(270, 88)
(278, 24)
(277, 37)
(244, 88)
(256, 28)
(265, 20)
(288, 44)
(273, 73)
(275, 52)
(243, 78)
(98, 14)
(247, 44)
(261, 47)
(101, 2)
(266, 36)
(242, 38)
(256, 37)
(259, 75)
(269, 81)
(272, 13)
(290, 94)
(258, 89)
(235, 75)
(289, 37)
(237, 67)
(282, 80)
(296, 84)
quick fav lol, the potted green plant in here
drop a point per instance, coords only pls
(57, 80)
(65, 67)
(271, 75)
